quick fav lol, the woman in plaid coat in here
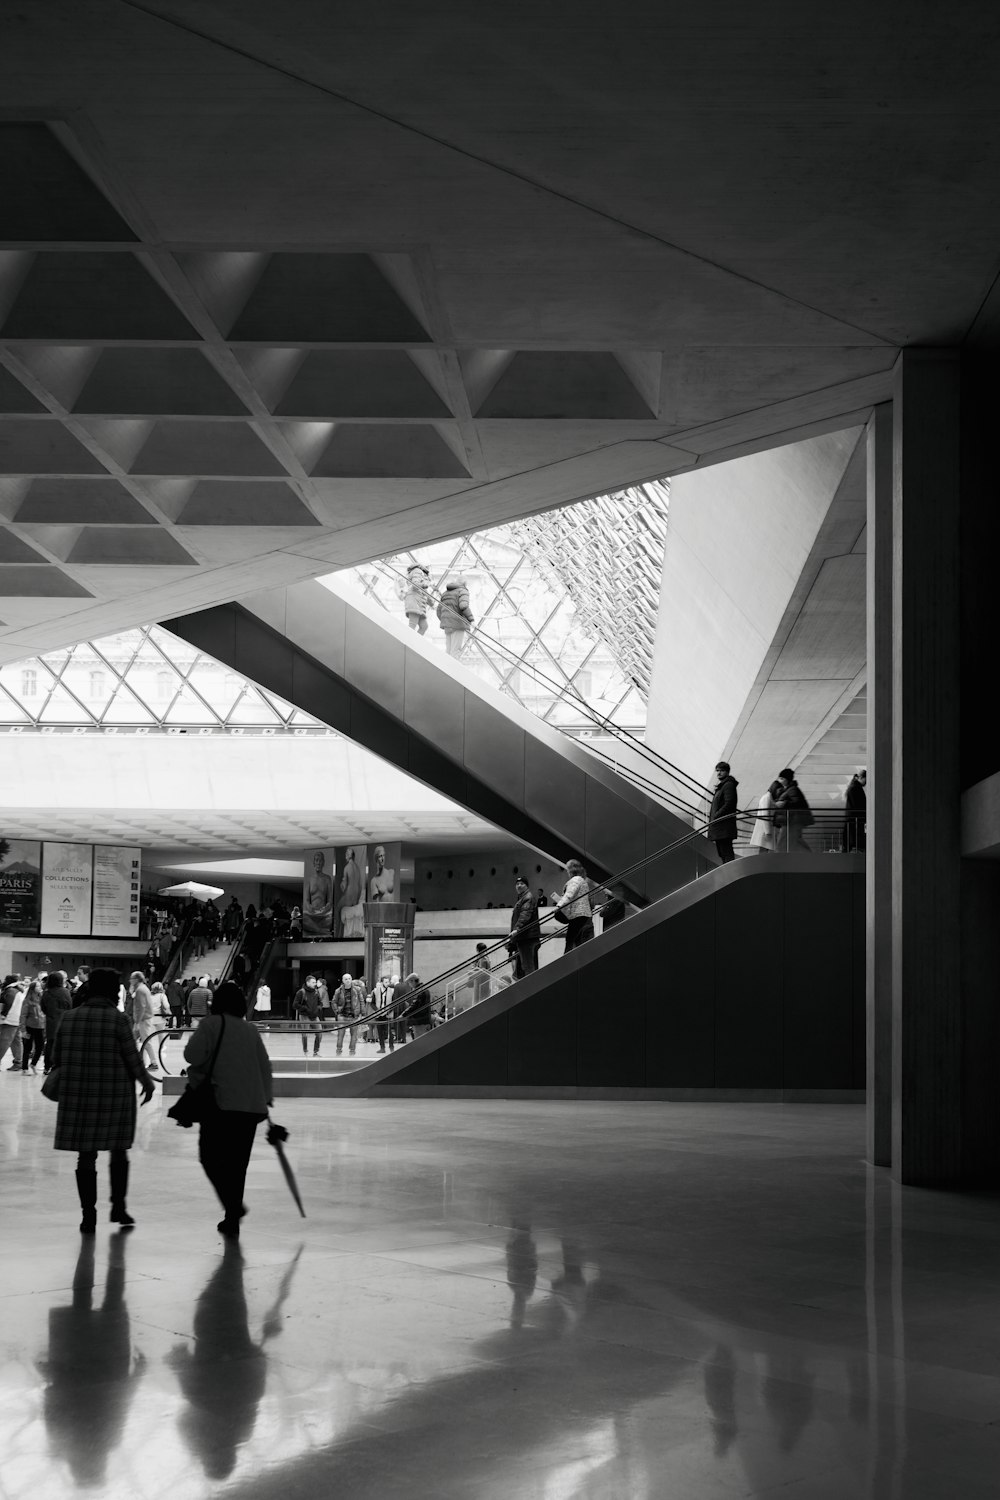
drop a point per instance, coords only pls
(99, 1067)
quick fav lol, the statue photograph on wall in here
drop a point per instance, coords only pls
(318, 892)
(383, 871)
(352, 864)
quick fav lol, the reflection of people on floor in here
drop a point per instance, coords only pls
(788, 1391)
(522, 1271)
(382, 883)
(90, 1371)
(352, 908)
(720, 1395)
(223, 1377)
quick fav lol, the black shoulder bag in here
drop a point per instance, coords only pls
(198, 1102)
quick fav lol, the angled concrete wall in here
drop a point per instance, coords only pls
(761, 628)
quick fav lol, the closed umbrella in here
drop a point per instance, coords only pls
(277, 1135)
(193, 889)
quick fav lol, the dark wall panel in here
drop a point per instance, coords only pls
(210, 630)
(617, 830)
(494, 749)
(748, 984)
(318, 693)
(859, 1040)
(611, 1017)
(436, 770)
(542, 1037)
(680, 1000)
(378, 731)
(554, 791)
(262, 654)
(426, 1070)
(374, 663)
(480, 1056)
(818, 963)
(434, 707)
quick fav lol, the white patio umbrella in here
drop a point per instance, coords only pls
(193, 889)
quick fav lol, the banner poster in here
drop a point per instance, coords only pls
(383, 872)
(67, 889)
(317, 893)
(388, 951)
(20, 860)
(349, 905)
(116, 891)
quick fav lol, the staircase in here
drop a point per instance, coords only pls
(211, 963)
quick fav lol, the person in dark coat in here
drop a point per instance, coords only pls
(56, 1001)
(856, 813)
(99, 1067)
(525, 933)
(242, 1089)
(455, 615)
(792, 815)
(722, 819)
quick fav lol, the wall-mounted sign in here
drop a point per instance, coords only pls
(19, 886)
(67, 889)
(116, 891)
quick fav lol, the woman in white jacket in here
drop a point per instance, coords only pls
(242, 1087)
(762, 838)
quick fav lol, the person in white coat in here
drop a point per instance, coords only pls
(762, 838)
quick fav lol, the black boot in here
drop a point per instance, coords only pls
(86, 1187)
(118, 1172)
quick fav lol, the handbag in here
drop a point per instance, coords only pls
(50, 1088)
(559, 913)
(198, 1102)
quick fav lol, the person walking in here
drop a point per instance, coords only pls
(143, 1015)
(722, 818)
(793, 815)
(525, 933)
(232, 920)
(381, 998)
(574, 902)
(455, 616)
(764, 830)
(11, 1003)
(199, 999)
(56, 1001)
(99, 1066)
(306, 1010)
(229, 1050)
(416, 597)
(33, 1027)
(856, 813)
(348, 1003)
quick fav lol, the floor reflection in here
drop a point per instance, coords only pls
(90, 1369)
(224, 1375)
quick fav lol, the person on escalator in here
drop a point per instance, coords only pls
(455, 616)
(574, 903)
(525, 933)
(232, 920)
(722, 828)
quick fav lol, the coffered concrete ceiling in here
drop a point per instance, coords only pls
(286, 287)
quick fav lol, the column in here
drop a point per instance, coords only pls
(927, 1083)
(878, 869)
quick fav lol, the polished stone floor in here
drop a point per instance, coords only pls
(501, 1301)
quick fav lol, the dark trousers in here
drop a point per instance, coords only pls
(33, 1047)
(50, 1041)
(224, 1148)
(726, 851)
(578, 930)
(526, 958)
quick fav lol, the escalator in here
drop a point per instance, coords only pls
(746, 983)
(386, 689)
